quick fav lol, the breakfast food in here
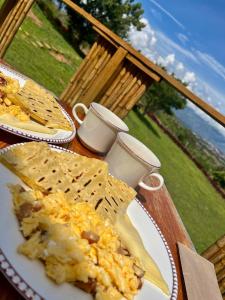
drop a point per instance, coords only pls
(76, 245)
(74, 219)
(41, 106)
(6, 107)
(81, 178)
(30, 107)
(9, 87)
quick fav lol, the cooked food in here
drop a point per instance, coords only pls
(81, 178)
(134, 245)
(10, 120)
(7, 108)
(8, 85)
(19, 106)
(73, 198)
(76, 244)
(41, 106)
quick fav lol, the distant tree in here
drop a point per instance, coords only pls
(219, 176)
(118, 15)
(162, 97)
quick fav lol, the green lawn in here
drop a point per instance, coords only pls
(201, 208)
(37, 62)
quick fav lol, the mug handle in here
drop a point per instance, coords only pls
(152, 188)
(84, 107)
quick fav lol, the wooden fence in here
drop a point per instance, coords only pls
(216, 254)
(108, 76)
(12, 15)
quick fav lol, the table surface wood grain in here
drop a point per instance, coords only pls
(159, 204)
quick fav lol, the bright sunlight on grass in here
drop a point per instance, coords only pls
(37, 62)
(201, 208)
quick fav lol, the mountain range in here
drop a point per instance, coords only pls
(202, 128)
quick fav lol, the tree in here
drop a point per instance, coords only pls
(118, 15)
(162, 97)
(219, 177)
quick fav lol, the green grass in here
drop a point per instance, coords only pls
(201, 208)
(36, 62)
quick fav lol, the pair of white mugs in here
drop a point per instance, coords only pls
(129, 160)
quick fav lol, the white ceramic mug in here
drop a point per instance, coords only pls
(99, 128)
(131, 161)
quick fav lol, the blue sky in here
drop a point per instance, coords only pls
(188, 38)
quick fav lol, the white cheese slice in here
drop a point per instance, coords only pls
(10, 120)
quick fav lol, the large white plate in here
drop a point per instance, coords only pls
(60, 137)
(28, 277)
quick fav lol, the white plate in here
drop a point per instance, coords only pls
(28, 277)
(61, 136)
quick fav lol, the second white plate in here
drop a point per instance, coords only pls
(60, 137)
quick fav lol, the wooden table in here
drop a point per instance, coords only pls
(159, 204)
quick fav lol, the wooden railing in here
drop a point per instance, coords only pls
(216, 254)
(12, 15)
(145, 65)
(113, 73)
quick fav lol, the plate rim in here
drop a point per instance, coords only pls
(30, 136)
(6, 265)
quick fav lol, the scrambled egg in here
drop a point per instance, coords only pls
(9, 87)
(13, 110)
(8, 84)
(75, 243)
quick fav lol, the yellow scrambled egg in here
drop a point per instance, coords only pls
(13, 110)
(8, 87)
(75, 243)
(8, 84)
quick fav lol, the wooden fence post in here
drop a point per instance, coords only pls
(13, 13)
(216, 254)
(106, 74)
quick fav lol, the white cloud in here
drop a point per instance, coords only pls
(153, 41)
(165, 44)
(144, 40)
(167, 61)
(189, 77)
(179, 67)
(183, 38)
(148, 38)
(170, 59)
(161, 49)
(211, 62)
(167, 13)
